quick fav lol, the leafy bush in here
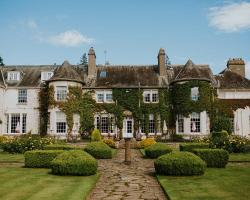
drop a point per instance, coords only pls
(61, 147)
(213, 157)
(179, 164)
(96, 135)
(156, 150)
(40, 158)
(110, 142)
(219, 139)
(75, 162)
(20, 144)
(99, 150)
(147, 142)
(237, 144)
(222, 123)
(190, 146)
(3, 139)
(177, 137)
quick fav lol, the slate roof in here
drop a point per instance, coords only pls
(192, 71)
(231, 80)
(129, 76)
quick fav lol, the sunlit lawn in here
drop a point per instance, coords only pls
(19, 183)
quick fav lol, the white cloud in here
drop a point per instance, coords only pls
(31, 24)
(230, 17)
(70, 38)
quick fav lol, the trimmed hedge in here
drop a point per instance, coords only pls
(61, 147)
(40, 158)
(213, 157)
(190, 146)
(179, 164)
(156, 150)
(99, 150)
(75, 162)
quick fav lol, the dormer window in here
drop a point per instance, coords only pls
(46, 75)
(13, 76)
(195, 94)
(103, 74)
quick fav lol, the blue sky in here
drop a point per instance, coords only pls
(132, 31)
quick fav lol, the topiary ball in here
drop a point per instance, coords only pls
(99, 150)
(74, 162)
(179, 164)
(156, 150)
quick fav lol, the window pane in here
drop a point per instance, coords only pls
(155, 97)
(22, 96)
(195, 93)
(147, 97)
(100, 97)
(195, 123)
(109, 98)
(151, 124)
(24, 123)
(15, 123)
(104, 125)
(180, 124)
(61, 93)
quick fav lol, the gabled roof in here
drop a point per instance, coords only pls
(67, 72)
(231, 80)
(191, 71)
(129, 76)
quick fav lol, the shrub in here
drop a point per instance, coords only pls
(99, 150)
(75, 162)
(219, 139)
(222, 123)
(190, 146)
(147, 142)
(96, 136)
(237, 144)
(177, 137)
(179, 164)
(3, 139)
(156, 150)
(110, 142)
(40, 158)
(20, 144)
(61, 147)
(213, 157)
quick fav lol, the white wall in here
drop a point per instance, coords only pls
(242, 122)
(233, 94)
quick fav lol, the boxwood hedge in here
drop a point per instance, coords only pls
(179, 164)
(190, 146)
(61, 147)
(213, 157)
(75, 162)
(40, 158)
(156, 150)
(99, 150)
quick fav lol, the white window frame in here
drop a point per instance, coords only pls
(105, 123)
(148, 96)
(22, 96)
(104, 94)
(195, 118)
(11, 123)
(46, 75)
(13, 76)
(61, 96)
(195, 93)
(61, 123)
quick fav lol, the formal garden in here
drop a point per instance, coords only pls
(34, 167)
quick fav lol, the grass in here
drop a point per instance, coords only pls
(239, 157)
(38, 184)
(229, 183)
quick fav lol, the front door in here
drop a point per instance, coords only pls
(128, 127)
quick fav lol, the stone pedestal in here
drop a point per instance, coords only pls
(127, 151)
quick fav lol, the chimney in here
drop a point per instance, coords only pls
(161, 62)
(237, 65)
(91, 63)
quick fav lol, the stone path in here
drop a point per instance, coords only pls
(122, 182)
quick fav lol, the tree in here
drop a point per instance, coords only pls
(84, 59)
(1, 61)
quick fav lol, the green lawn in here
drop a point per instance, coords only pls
(17, 182)
(230, 183)
(239, 157)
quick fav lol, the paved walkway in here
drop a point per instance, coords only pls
(122, 182)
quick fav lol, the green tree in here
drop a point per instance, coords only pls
(1, 61)
(84, 59)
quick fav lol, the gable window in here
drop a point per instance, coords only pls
(60, 122)
(13, 76)
(195, 123)
(104, 96)
(195, 94)
(180, 124)
(61, 93)
(150, 96)
(22, 96)
(46, 75)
